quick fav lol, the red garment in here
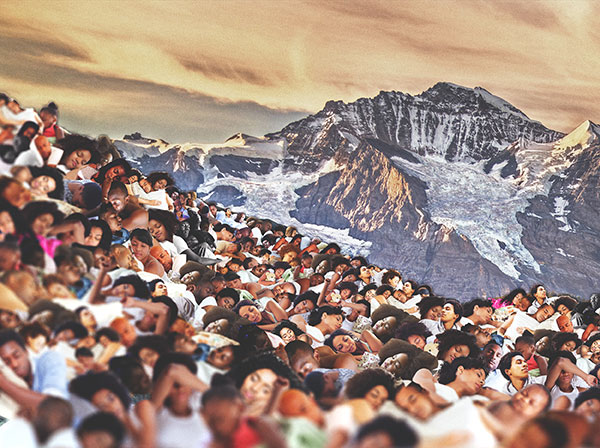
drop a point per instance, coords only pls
(245, 436)
(50, 131)
(532, 363)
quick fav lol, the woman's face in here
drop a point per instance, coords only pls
(377, 396)
(157, 230)
(115, 172)
(145, 184)
(516, 299)
(562, 309)
(7, 225)
(417, 340)
(94, 238)
(140, 250)
(42, 224)
(344, 344)
(160, 184)
(78, 159)
(43, 185)
(395, 364)
(304, 306)
(251, 313)
(287, 335)
(218, 326)
(226, 302)
(456, 351)
(385, 326)
(16, 194)
(87, 319)
(257, 388)
(148, 356)
(107, 401)
(433, 313)
(408, 289)
(160, 289)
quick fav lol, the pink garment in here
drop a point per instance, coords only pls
(49, 244)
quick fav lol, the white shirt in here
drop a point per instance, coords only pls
(178, 432)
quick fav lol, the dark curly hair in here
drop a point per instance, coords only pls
(159, 175)
(448, 370)
(36, 209)
(362, 382)
(412, 328)
(287, 324)
(166, 218)
(166, 359)
(73, 142)
(155, 342)
(450, 338)
(54, 173)
(267, 360)
(360, 346)
(85, 386)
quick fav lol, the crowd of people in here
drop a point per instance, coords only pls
(136, 314)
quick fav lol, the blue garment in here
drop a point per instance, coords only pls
(50, 374)
(120, 237)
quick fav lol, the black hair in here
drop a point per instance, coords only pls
(54, 173)
(36, 209)
(103, 422)
(73, 142)
(83, 352)
(91, 195)
(287, 324)
(224, 392)
(450, 338)
(424, 290)
(241, 371)
(384, 288)
(506, 362)
(362, 382)
(427, 303)
(141, 235)
(315, 383)
(7, 336)
(448, 370)
(558, 339)
(458, 308)
(155, 342)
(341, 332)
(296, 347)
(388, 275)
(331, 246)
(167, 359)
(230, 276)
(228, 292)
(368, 288)
(363, 260)
(82, 219)
(243, 303)
(106, 239)
(469, 307)
(117, 162)
(173, 309)
(567, 301)
(347, 285)
(307, 295)
(118, 187)
(525, 339)
(235, 260)
(166, 218)
(51, 108)
(317, 314)
(140, 286)
(399, 431)
(561, 354)
(85, 386)
(593, 393)
(79, 331)
(508, 298)
(111, 334)
(534, 289)
(412, 328)
(159, 175)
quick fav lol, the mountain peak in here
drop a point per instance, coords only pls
(584, 135)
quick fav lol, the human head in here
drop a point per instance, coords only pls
(326, 317)
(538, 292)
(13, 192)
(513, 366)
(479, 311)
(565, 325)
(78, 151)
(454, 344)
(431, 307)
(414, 333)
(303, 359)
(386, 432)
(491, 355)
(163, 257)
(544, 312)
(468, 374)
(141, 242)
(415, 400)
(101, 430)
(374, 385)
(104, 390)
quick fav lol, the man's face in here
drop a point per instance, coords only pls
(43, 146)
(564, 324)
(491, 355)
(15, 357)
(118, 201)
(543, 313)
(9, 259)
(529, 401)
(114, 221)
(206, 290)
(304, 364)
(483, 313)
(162, 256)
(518, 368)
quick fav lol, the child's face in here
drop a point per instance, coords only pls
(223, 416)
(279, 272)
(525, 349)
(307, 262)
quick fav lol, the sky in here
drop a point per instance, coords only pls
(202, 71)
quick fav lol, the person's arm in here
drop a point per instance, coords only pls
(137, 220)
(145, 435)
(565, 364)
(160, 309)
(23, 396)
(108, 352)
(542, 363)
(372, 341)
(95, 294)
(506, 325)
(175, 373)
(154, 267)
(278, 313)
(321, 301)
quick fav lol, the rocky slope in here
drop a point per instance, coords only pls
(455, 187)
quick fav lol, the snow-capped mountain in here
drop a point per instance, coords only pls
(455, 187)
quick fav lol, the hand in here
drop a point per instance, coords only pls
(591, 380)
(128, 302)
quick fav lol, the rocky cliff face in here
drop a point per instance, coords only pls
(455, 187)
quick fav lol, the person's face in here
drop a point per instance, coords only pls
(146, 186)
(162, 256)
(69, 272)
(148, 356)
(222, 416)
(221, 357)
(15, 357)
(259, 270)
(316, 279)
(408, 289)
(540, 293)
(517, 298)
(115, 172)
(65, 335)
(206, 289)
(157, 230)
(416, 403)
(114, 221)
(483, 313)
(448, 314)
(568, 346)
(7, 225)
(473, 379)
(395, 364)
(258, 387)
(58, 290)
(42, 224)
(213, 210)
(417, 340)
(43, 184)
(456, 351)
(589, 408)
(564, 324)
(304, 306)
(523, 304)
(160, 289)
(251, 313)
(107, 401)
(78, 159)
(87, 319)
(433, 313)
(127, 333)
(287, 335)
(344, 344)
(48, 119)
(123, 290)
(518, 368)
(235, 283)
(482, 337)
(543, 313)
(304, 364)
(564, 379)
(37, 343)
(529, 401)
(140, 250)
(218, 326)
(16, 194)
(377, 396)
(118, 201)
(491, 355)
(332, 322)
(562, 309)
(226, 302)
(385, 326)
(94, 238)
